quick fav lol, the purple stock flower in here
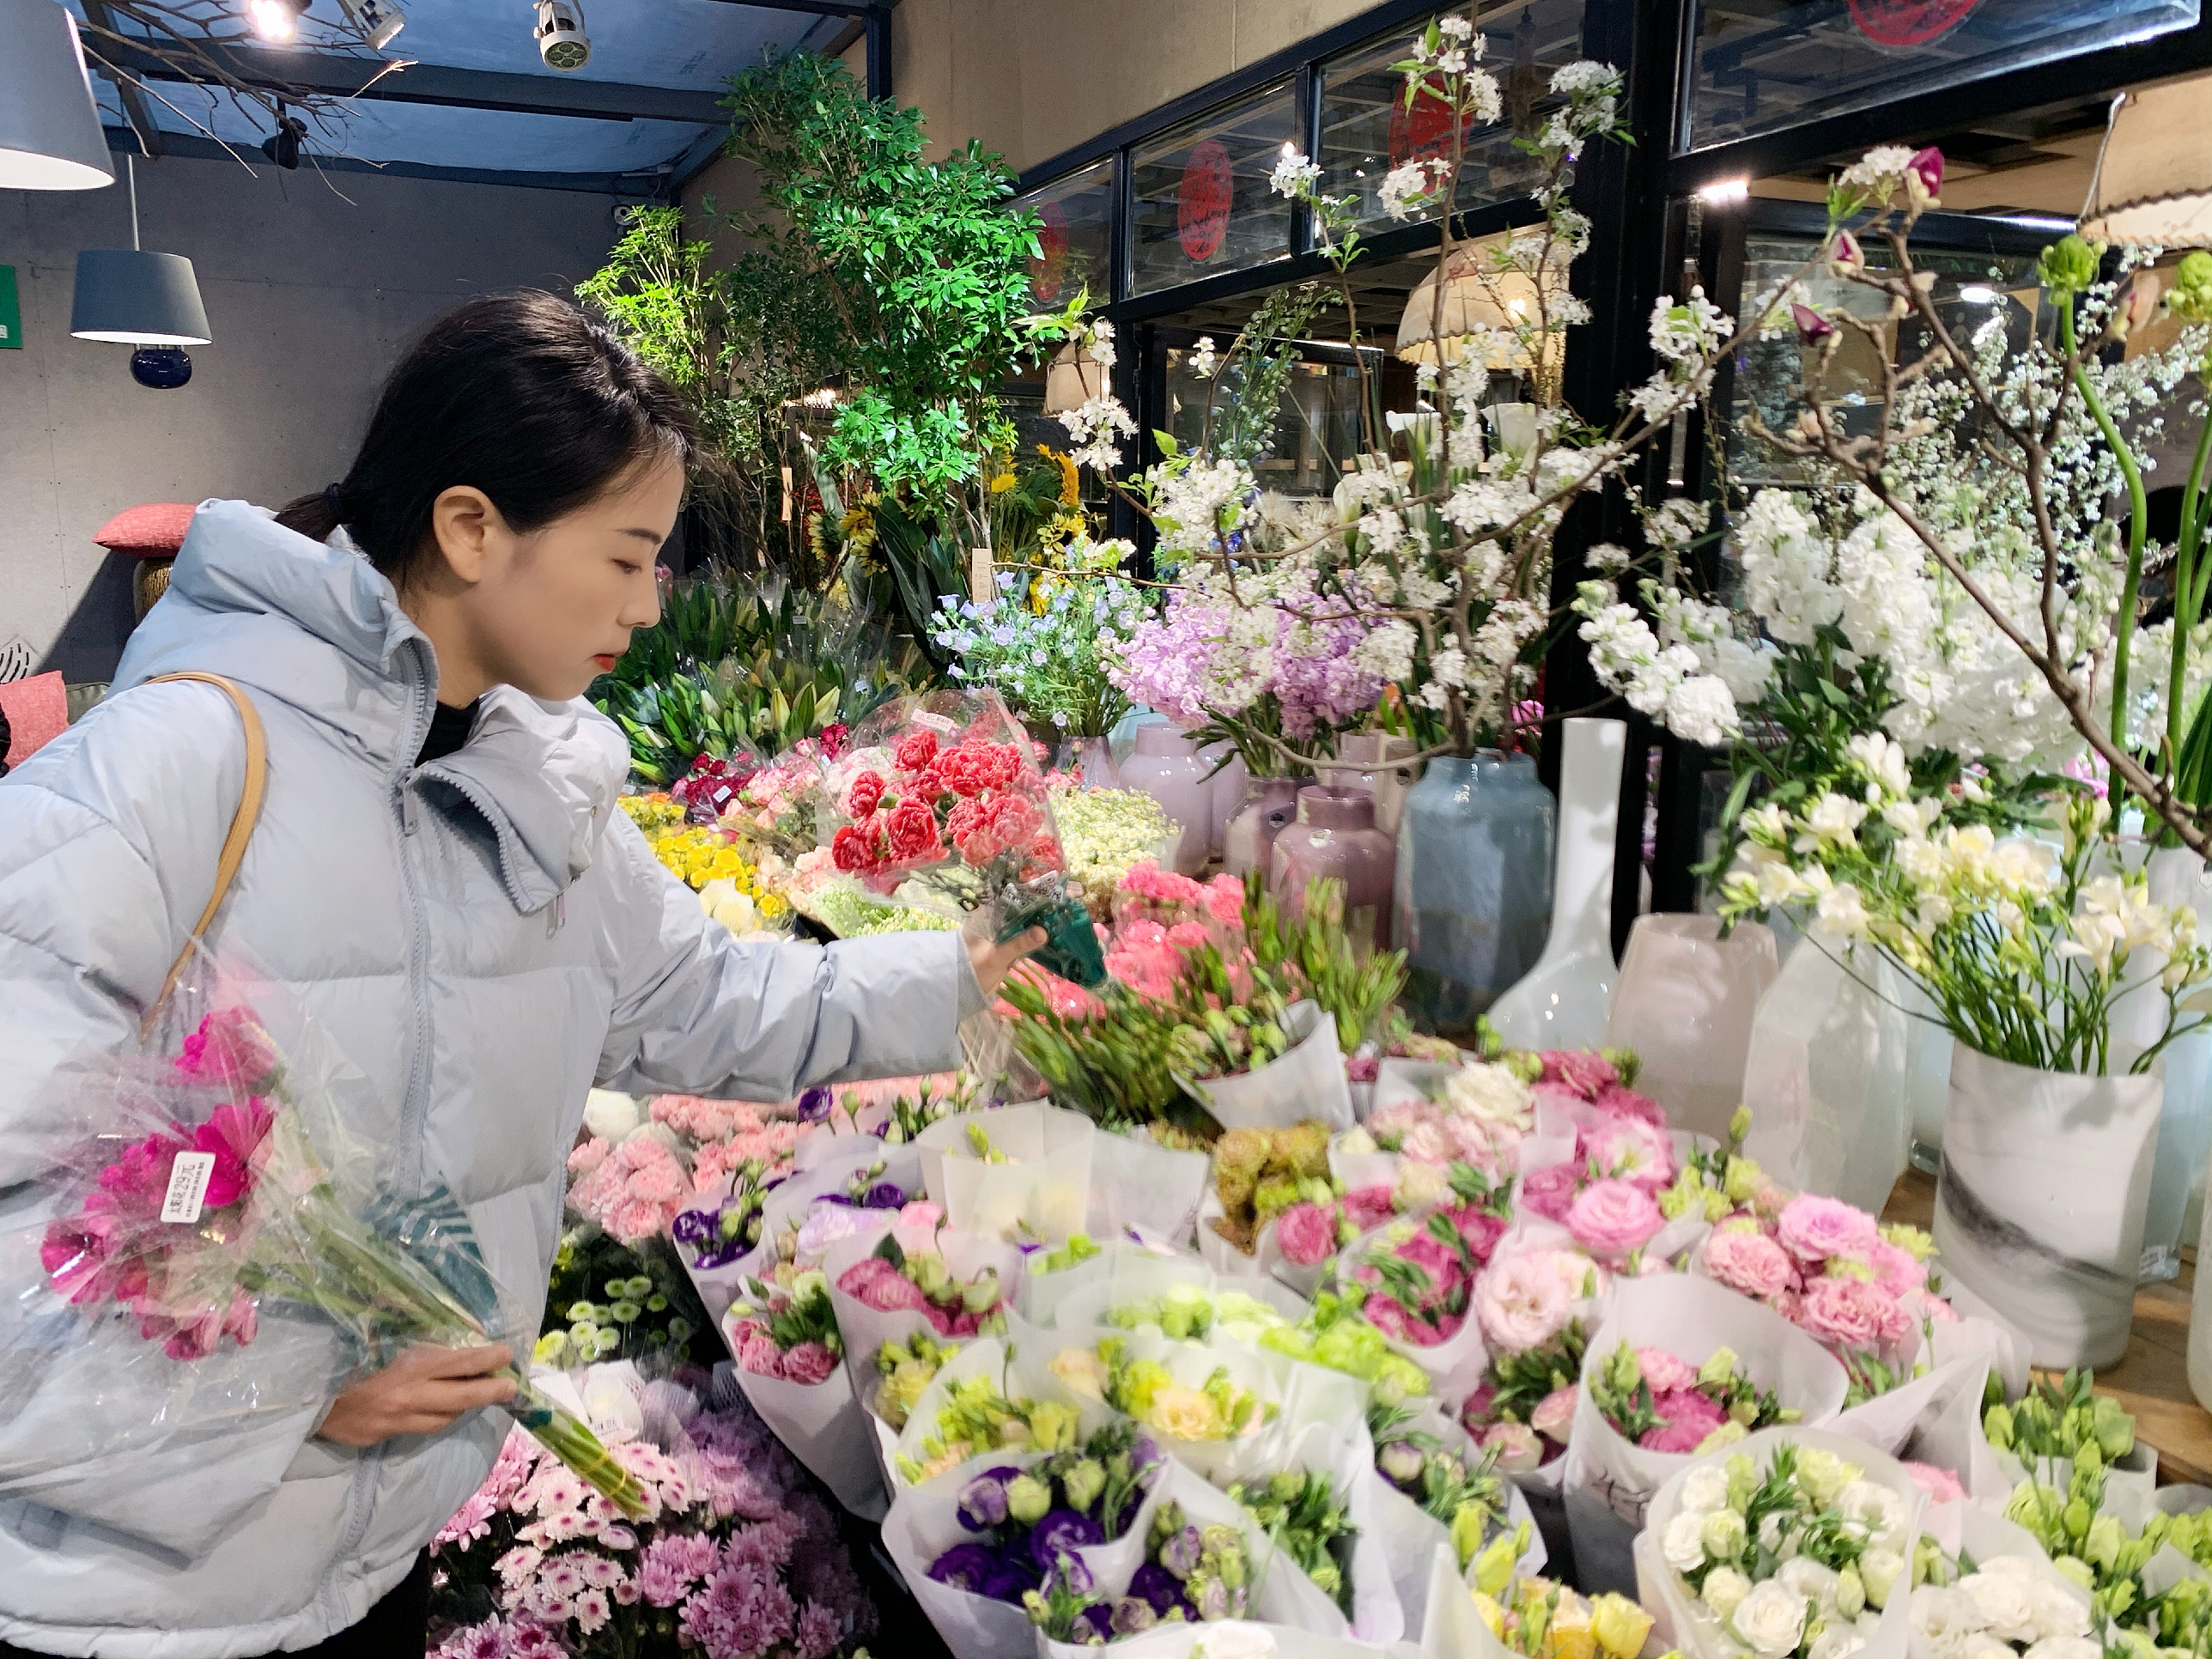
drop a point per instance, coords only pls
(814, 1105)
(1061, 1531)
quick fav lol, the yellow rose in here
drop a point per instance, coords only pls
(1181, 1414)
(1082, 1371)
(1492, 1615)
(1620, 1625)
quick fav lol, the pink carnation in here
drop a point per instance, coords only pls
(1813, 1228)
(1554, 1416)
(1941, 1485)
(1306, 1234)
(1748, 1261)
(1691, 1416)
(1550, 1192)
(1611, 1217)
(1663, 1372)
(1848, 1312)
(1583, 1071)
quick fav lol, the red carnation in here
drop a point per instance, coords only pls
(965, 770)
(911, 831)
(858, 847)
(964, 819)
(833, 739)
(915, 750)
(927, 784)
(864, 794)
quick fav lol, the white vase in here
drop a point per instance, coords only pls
(1826, 1076)
(1563, 1001)
(2040, 1203)
(1683, 1002)
(2178, 876)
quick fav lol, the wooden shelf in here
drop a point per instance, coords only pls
(2153, 1381)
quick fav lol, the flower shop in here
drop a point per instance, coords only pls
(1583, 625)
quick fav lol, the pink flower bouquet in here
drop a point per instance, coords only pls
(1533, 1301)
(789, 1333)
(891, 1280)
(1663, 1404)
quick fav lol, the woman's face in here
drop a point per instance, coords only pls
(549, 611)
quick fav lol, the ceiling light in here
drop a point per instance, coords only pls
(378, 20)
(1725, 191)
(277, 21)
(559, 35)
(2153, 178)
(137, 298)
(50, 136)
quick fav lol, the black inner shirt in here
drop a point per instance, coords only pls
(449, 730)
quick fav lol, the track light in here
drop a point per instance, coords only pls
(559, 35)
(378, 20)
(277, 21)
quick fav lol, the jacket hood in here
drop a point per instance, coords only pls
(315, 625)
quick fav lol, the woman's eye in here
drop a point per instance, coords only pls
(629, 567)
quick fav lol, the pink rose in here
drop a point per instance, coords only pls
(1524, 1299)
(1690, 1416)
(1896, 1270)
(1368, 1207)
(1631, 1149)
(1663, 1372)
(1584, 1071)
(1813, 1229)
(1548, 1192)
(1387, 1316)
(1554, 1416)
(1618, 1101)
(1847, 1311)
(1611, 1217)
(1941, 1485)
(809, 1363)
(1306, 1234)
(1749, 1261)
(1518, 1449)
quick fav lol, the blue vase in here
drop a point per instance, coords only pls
(1473, 890)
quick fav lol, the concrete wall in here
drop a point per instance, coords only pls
(312, 288)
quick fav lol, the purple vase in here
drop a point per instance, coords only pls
(1270, 806)
(1335, 836)
(1167, 767)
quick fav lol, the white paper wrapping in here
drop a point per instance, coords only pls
(1043, 1293)
(1608, 1480)
(865, 1329)
(1137, 1182)
(1307, 1082)
(1043, 1191)
(826, 1428)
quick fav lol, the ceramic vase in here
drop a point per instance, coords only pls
(1473, 892)
(1563, 1001)
(1166, 766)
(1683, 1002)
(1375, 761)
(1335, 836)
(1228, 799)
(1270, 806)
(2178, 876)
(2039, 1202)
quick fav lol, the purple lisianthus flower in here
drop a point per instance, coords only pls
(814, 1105)
(1072, 1573)
(983, 1502)
(1093, 1626)
(966, 1567)
(1013, 1578)
(884, 1195)
(1157, 1587)
(1061, 1531)
(1132, 1614)
(1180, 1554)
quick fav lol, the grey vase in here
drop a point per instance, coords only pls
(1473, 896)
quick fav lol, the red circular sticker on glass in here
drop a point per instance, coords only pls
(1202, 201)
(1909, 22)
(1049, 271)
(1422, 132)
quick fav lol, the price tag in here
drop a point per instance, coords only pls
(941, 724)
(188, 1184)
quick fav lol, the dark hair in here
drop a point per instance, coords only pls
(520, 395)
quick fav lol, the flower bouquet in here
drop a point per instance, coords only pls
(1017, 1172)
(1106, 833)
(1439, 1488)
(1209, 1405)
(1680, 1368)
(603, 1302)
(898, 1277)
(1416, 1278)
(944, 790)
(2058, 1424)
(1259, 1174)
(733, 1554)
(1996, 1595)
(976, 1398)
(1501, 1614)
(1536, 1302)
(1794, 1543)
(785, 1340)
(214, 1193)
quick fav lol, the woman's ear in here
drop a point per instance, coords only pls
(467, 528)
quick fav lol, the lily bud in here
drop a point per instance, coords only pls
(1813, 329)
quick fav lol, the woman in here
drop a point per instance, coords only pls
(441, 875)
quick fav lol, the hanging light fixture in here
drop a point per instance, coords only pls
(277, 21)
(151, 301)
(50, 136)
(1479, 302)
(2153, 179)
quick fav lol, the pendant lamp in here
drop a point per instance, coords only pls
(1480, 302)
(2153, 180)
(50, 133)
(139, 298)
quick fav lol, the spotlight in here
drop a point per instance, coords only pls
(559, 35)
(1725, 191)
(1980, 294)
(277, 21)
(282, 146)
(378, 20)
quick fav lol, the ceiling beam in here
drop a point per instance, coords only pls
(345, 75)
(135, 110)
(819, 7)
(627, 187)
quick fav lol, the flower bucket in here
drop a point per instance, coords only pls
(1684, 1002)
(1307, 1082)
(2040, 1201)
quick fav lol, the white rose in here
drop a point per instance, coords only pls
(1705, 1489)
(1770, 1620)
(1725, 1588)
(1836, 1642)
(2066, 1647)
(2003, 1600)
(1809, 1578)
(608, 1115)
(2056, 1611)
(1944, 1621)
(1682, 1542)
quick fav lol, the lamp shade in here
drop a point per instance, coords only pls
(140, 299)
(1072, 378)
(1479, 300)
(2153, 180)
(50, 136)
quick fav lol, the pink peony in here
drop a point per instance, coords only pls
(1618, 1101)
(1554, 1416)
(1583, 1071)
(1813, 1229)
(809, 1362)
(1518, 1449)
(1691, 1416)
(1663, 1372)
(1748, 1261)
(1549, 1193)
(1611, 1217)
(1848, 1311)
(1631, 1149)
(1526, 1298)
(1941, 1485)
(1306, 1233)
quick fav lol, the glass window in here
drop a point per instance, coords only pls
(1316, 428)
(1202, 201)
(1765, 65)
(1366, 128)
(1076, 240)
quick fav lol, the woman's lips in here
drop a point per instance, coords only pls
(607, 663)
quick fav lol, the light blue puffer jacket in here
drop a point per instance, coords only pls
(485, 938)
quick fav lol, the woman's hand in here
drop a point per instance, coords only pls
(421, 1392)
(992, 961)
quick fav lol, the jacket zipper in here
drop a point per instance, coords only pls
(414, 1104)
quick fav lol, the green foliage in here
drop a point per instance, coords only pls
(605, 1301)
